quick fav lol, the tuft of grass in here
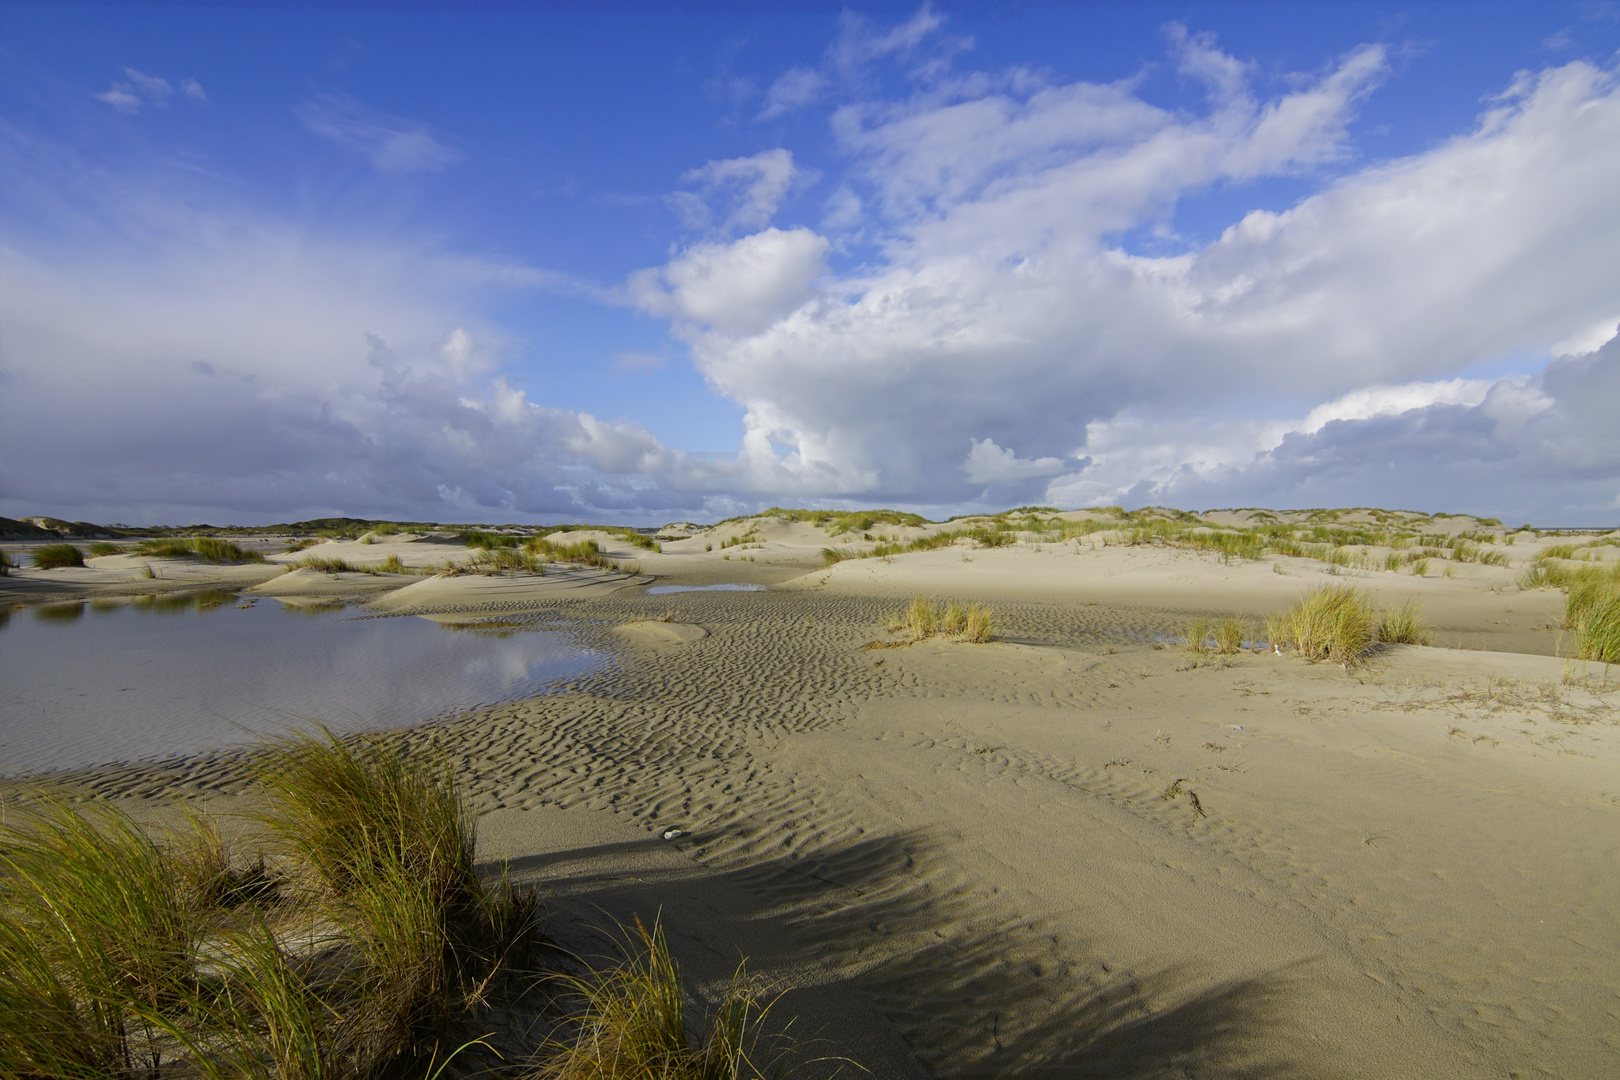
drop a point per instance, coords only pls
(1333, 623)
(327, 565)
(921, 619)
(1420, 567)
(96, 932)
(1597, 634)
(300, 545)
(635, 1025)
(101, 547)
(5, 564)
(1195, 636)
(1229, 633)
(208, 549)
(1404, 625)
(56, 556)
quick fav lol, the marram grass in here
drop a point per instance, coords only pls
(56, 556)
(1338, 624)
(356, 943)
(960, 622)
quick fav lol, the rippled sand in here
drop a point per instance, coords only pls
(1076, 852)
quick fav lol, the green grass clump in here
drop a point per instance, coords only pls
(1333, 623)
(634, 1025)
(96, 935)
(5, 564)
(101, 547)
(1597, 634)
(921, 619)
(1229, 634)
(208, 549)
(475, 538)
(1195, 636)
(56, 556)
(328, 565)
(1404, 625)
(124, 957)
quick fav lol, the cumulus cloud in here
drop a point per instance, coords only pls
(392, 144)
(1002, 308)
(1531, 448)
(140, 90)
(736, 288)
(735, 193)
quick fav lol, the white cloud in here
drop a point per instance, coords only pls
(748, 190)
(1002, 307)
(736, 288)
(988, 463)
(796, 88)
(141, 90)
(391, 143)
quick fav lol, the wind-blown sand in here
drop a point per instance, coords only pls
(987, 860)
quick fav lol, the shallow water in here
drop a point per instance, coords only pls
(86, 684)
(660, 590)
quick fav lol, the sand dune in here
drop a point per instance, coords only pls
(1081, 850)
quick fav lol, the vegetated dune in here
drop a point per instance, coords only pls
(1086, 849)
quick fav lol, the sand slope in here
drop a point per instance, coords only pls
(1079, 851)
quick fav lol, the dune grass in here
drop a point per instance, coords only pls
(1225, 636)
(1404, 625)
(57, 556)
(634, 1025)
(5, 564)
(921, 619)
(208, 549)
(355, 942)
(1333, 623)
(1338, 624)
(102, 547)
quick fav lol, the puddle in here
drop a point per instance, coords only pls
(149, 677)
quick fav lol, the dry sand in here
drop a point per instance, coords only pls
(1078, 851)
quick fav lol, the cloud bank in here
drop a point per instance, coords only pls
(991, 307)
(1004, 329)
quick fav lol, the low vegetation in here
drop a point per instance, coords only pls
(102, 547)
(56, 556)
(958, 622)
(1224, 636)
(1339, 624)
(633, 1024)
(349, 936)
(5, 564)
(208, 549)
(1591, 596)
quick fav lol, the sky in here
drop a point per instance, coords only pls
(646, 262)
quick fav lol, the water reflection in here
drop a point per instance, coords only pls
(65, 611)
(125, 685)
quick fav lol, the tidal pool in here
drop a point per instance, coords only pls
(111, 681)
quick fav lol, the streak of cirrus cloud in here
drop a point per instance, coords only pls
(1003, 344)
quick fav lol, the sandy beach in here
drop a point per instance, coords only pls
(1079, 850)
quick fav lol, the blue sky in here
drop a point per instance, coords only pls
(530, 264)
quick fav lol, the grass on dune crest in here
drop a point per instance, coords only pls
(56, 556)
(208, 549)
(348, 938)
